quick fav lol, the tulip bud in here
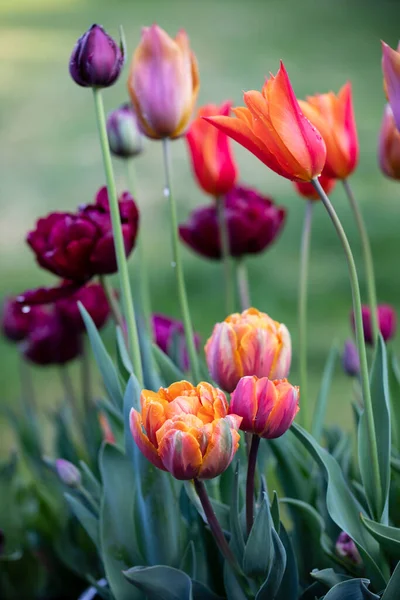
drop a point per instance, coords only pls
(250, 343)
(124, 135)
(350, 359)
(268, 407)
(68, 473)
(186, 430)
(387, 321)
(307, 190)
(346, 548)
(96, 60)
(389, 145)
(169, 335)
(163, 83)
(253, 221)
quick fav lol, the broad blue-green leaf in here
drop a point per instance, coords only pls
(329, 577)
(237, 537)
(272, 583)
(202, 592)
(118, 536)
(377, 495)
(86, 518)
(188, 562)
(323, 394)
(394, 386)
(103, 360)
(289, 588)
(169, 371)
(294, 482)
(392, 590)
(161, 583)
(152, 380)
(343, 507)
(90, 482)
(124, 361)
(155, 497)
(388, 537)
(276, 519)
(258, 552)
(355, 589)
(233, 589)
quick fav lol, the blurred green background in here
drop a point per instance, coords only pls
(50, 158)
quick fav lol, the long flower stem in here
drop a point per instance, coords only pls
(355, 289)
(251, 470)
(85, 378)
(368, 260)
(302, 307)
(70, 395)
(144, 290)
(226, 255)
(243, 284)
(113, 303)
(177, 265)
(122, 263)
(214, 524)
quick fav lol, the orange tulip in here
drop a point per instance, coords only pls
(391, 79)
(212, 159)
(307, 189)
(186, 430)
(250, 343)
(389, 145)
(333, 115)
(163, 83)
(274, 129)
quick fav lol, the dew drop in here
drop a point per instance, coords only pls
(166, 192)
(26, 309)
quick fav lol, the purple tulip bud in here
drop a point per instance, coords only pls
(387, 321)
(350, 359)
(68, 473)
(253, 222)
(78, 246)
(346, 548)
(96, 60)
(124, 135)
(169, 335)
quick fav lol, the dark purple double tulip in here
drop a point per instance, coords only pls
(93, 299)
(78, 246)
(169, 335)
(18, 320)
(253, 222)
(96, 60)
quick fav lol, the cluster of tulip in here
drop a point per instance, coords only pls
(160, 409)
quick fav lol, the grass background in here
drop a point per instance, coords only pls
(50, 158)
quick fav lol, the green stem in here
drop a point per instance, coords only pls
(243, 284)
(226, 255)
(302, 308)
(85, 378)
(70, 395)
(113, 303)
(251, 470)
(355, 289)
(368, 260)
(144, 290)
(126, 293)
(90, 500)
(214, 525)
(177, 265)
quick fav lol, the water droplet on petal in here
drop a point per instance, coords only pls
(26, 309)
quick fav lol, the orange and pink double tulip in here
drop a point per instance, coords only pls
(267, 407)
(186, 430)
(250, 343)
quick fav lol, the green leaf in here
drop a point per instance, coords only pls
(295, 482)
(233, 589)
(124, 361)
(169, 371)
(377, 498)
(271, 585)
(276, 519)
(343, 507)
(329, 577)
(289, 589)
(237, 537)
(323, 394)
(355, 589)
(202, 592)
(394, 386)
(258, 552)
(118, 536)
(392, 590)
(188, 562)
(388, 537)
(156, 499)
(161, 583)
(152, 380)
(86, 518)
(90, 482)
(103, 359)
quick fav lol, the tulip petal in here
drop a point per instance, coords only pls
(244, 401)
(223, 358)
(284, 411)
(142, 441)
(221, 449)
(180, 454)
(391, 72)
